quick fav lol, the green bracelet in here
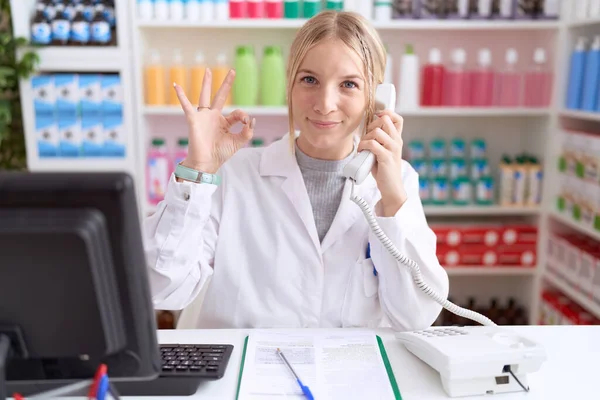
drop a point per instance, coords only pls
(190, 174)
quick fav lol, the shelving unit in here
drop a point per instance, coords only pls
(475, 271)
(581, 115)
(577, 226)
(435, 211)
(584, 301)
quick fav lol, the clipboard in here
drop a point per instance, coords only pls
(386, 363)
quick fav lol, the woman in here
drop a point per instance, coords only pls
(279, 237)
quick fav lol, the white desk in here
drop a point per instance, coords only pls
(571, 372)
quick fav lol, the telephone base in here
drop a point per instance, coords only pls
(483, 386)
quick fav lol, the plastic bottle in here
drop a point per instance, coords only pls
(538, 82)
(219, 72)
(311, 8)
(458, 9)
(177, 74)
(274, 9)
(457, 87)
(176, 10)
(180, 153)
(161, 10)
(591, 77)
(207, 10)
(256, 8)
(484, 9)
(192, 10)
(337, 5)
(157, 171)
(197, 76)
(291, 8)
(383, 10)
(575, 85)
(551, 9)
(245, 87)
(61, 27)
(272, 88)
(88, 10)
(221, 10)
(506, 181)
(101, 32)
(41, 31)
(48, 9)
(433, 80)
(482, 81)
(505, 9)
(238, 9)
(510, 82)
(80, 30)
(403, 9)
(155, 81)
(409, 80)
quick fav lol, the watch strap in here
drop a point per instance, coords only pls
(190, 174)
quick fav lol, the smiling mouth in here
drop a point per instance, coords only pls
(324, 124)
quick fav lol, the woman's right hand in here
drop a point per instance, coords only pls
(211, 141)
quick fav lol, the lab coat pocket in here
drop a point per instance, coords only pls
(361, 302)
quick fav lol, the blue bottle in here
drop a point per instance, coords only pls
(575, 89)
(592, 77)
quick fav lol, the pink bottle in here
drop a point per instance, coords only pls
(482, 81)
(509, 82)
(274, 9)
(256, 8)
(538, 82)
(237, 9)
(157, 172)
(180, 153)
(457, 81)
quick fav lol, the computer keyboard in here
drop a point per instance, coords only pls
(184, 366)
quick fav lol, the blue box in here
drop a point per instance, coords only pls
(90, 94)
(44, 96)
(67, 94)
(46, 132)
(92, 136)
(112, 95)
(114, 139)
(69, 133)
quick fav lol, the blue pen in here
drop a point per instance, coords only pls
(102, 388)
(305, 389)
(369, 256)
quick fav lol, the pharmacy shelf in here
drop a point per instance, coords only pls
(582, 115)
(84, 59)
(253, 111)
(480, 270)
(421, 112)
(584, 23)
(480, 211)
(440, 25)
(96, 164)
(588, 304)
(591, 232)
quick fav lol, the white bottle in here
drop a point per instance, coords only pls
(145, 9)
(383, 10)
(506, 9)
(389, 70)
(176, 10)
(192, 10)
(484, 8)
(408, 98)
(161, 10)
(463, 8)
(551, 8)
(362, 7)
(207, 11)
(221, 10)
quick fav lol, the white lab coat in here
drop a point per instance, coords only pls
(255, 235)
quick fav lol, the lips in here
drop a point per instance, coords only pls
(324, 124)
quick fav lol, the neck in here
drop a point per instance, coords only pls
(331, 154)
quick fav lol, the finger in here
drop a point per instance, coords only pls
(188, 108)
(237, 116)
(380, 136)
(381, 153)
(205, 93)
(247, 132)
(223, 92)
(390, 128)
(397, 120)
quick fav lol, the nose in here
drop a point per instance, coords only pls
(326, 101)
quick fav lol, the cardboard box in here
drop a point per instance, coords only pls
(112, 95)
(44, 96)
(46, 132)
(90, 94)
(519, 255)
(69, 132)
(589, 257)
(114, 136)
(66, 87)
(92, 136)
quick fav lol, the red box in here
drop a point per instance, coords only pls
(522, 255)
(448, 256)
(519, 234)
(449, 235)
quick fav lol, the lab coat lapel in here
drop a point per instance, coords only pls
(278, 160)
(349, 212)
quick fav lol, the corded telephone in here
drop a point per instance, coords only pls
(471, 360)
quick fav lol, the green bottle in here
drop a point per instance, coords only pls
(272, 79)
(291, 9)
(311, 8)
(337, 5)
(245, 86)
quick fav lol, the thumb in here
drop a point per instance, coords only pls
(247, 131)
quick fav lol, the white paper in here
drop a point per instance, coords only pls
(334, 366)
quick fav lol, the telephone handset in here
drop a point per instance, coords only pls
(462, 374)
(360, 166)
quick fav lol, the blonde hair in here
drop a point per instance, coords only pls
(355, 32)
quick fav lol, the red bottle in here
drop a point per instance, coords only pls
(482, 84)
(432, 89)
(457, 81)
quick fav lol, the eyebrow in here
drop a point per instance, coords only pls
(307, 71)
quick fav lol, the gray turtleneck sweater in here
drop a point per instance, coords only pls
(325, 185)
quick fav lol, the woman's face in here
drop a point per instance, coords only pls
(328, 99)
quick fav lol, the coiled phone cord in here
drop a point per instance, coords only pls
(414, 267)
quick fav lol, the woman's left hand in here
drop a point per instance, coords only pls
(384, 140)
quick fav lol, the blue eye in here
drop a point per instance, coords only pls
(309, 79)
(350, 85)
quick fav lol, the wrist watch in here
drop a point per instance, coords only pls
(193, 175)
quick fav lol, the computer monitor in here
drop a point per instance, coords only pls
(74, 290)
